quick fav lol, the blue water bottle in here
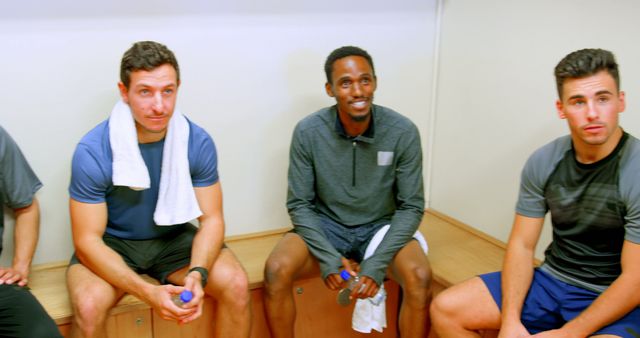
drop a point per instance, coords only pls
(344, 294)
(183, 298)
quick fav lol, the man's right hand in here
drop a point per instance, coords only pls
(334, 281)
(161, 300)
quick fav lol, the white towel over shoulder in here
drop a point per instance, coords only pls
(366, 316)
(177, 201)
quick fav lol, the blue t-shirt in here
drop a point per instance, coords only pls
(130, 212)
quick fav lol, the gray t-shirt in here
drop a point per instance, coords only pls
(18, 183)
(594, 208)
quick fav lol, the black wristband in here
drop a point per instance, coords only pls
(203, 272)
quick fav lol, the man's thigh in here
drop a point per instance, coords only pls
(22, 316)
(291, 257)
(471, 304)
(541, 308)
(627, 326)
(84, 285)
(409, 259)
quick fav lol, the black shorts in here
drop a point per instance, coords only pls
(158, 257)
(22, 316)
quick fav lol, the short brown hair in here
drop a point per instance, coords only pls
(586, 62)
(146, 55)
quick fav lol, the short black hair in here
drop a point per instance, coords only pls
(586, 62)
(146, 55)
(343, 52)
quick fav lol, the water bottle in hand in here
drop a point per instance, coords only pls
(345, 294)
(183, 298)
(352, 281)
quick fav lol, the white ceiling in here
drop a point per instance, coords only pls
(44, 9)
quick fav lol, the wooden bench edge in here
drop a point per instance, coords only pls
(467, 228)
(254, 235)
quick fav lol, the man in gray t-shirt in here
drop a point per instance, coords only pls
(589, 182)
(20, 313)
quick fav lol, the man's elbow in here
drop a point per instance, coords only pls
(84, 245)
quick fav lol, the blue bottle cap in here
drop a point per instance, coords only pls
(186, 296)
(345, 275)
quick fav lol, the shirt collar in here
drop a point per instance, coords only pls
(367, 136)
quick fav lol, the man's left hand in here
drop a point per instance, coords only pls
(365, 288)
(193, 283)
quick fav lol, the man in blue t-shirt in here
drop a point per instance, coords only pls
(116, 230)
(20, 313)
(589, 181)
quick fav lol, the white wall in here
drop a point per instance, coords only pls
(250, 70)
(496, 94)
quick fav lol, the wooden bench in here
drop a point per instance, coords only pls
(133, 318)
(456, 252)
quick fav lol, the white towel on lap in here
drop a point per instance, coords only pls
(177, 201)
(366, 316)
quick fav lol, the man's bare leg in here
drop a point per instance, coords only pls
(464, 309)
(410, 268)
(229, 285)
(91, 299)
(288, 261)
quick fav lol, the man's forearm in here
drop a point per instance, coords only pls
(614, 303)
(403, 226)
(617, 300)
(26, 233)
(207, 244)
(109, 265)
(517, 275)
(320, 247)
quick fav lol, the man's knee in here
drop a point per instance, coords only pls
(278, 272)
(90, 304)
(443, 306)
(417, 283)
(463, 302)
(90, 308)
(89, 315)
(238, 290)
(228, 283)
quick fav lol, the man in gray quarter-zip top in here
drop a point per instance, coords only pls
(354, 168)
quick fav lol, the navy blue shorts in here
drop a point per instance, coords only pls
(551, 303)
(351, 242)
